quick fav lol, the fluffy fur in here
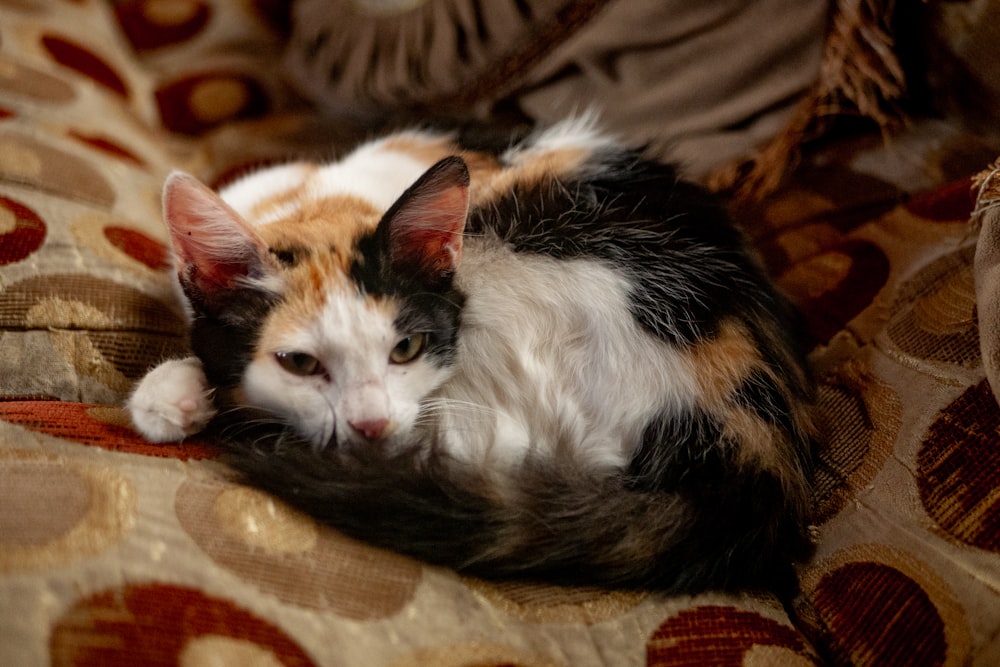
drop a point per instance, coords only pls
(555, 360)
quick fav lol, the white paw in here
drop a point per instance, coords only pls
(172, 401)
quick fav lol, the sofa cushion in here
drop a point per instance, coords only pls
(87, 104)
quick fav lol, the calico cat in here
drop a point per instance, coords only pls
(554, 360)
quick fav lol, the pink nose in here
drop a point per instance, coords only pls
(371, 429)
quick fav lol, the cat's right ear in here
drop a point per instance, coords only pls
(422, 231)
(215, 248)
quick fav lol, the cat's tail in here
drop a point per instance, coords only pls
(545, 521)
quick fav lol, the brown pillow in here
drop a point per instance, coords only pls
(703, 82)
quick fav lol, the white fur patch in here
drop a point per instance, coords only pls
(172, 401)
(371, 173)
(551, 354)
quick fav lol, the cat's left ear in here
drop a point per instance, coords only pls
(215, 247)
(422, 232)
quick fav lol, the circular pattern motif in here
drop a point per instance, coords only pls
(958, 469)
(878, 616)
(832, 288)
(213, 100)
(96, 507)
(152, 24)
(815, 213)
(722, 636)
(22, 231)
(95, 425)
(270, 546)
(121, 243)
(111, 303)
(198, 103)
(261, 521)
(187, 625)
(933, 319)
(105, 331)
(859, 418)
(211, 650)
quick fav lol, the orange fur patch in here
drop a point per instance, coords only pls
(489, 180)
(330, 225)
(427, 149)
(723, 363)
(287, 197)
(431, 149)
(532, 168)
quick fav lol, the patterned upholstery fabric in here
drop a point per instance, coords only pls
(117, 552)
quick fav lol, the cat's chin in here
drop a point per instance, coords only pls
(358, 445)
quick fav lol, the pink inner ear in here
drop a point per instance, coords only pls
(214, 246)
(427, 228)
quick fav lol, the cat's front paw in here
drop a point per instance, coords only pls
(172, 401)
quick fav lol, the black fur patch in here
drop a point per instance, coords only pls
(224, 338)
(435, 311)
(689, 265)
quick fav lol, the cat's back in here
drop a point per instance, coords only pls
(374, 175)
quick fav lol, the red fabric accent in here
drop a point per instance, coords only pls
(150, 625)
(145, 34)
(107, 146)
(176, 114)
(879, 616)
(829, 312)
(139, 247)
(74, 422)
(716, 635)
(958, 469)
(26, 237)
(84, 61)
(949, 203)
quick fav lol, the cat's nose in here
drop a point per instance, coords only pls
(371, 429)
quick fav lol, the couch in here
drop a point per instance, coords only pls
(855, 141)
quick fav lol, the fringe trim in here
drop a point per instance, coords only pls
(860, 75)
(986, 188)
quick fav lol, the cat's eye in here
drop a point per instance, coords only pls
(299, 363)
(408, 349)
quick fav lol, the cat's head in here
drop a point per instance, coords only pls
(340, 340)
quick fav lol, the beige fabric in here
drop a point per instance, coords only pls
(987, 272)
(114, 551)
(701, 81)
(965, 73)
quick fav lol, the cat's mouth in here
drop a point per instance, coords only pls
(374, 434)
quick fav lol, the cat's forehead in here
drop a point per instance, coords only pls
(374, 175)
(329, 316)
(321, 227)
